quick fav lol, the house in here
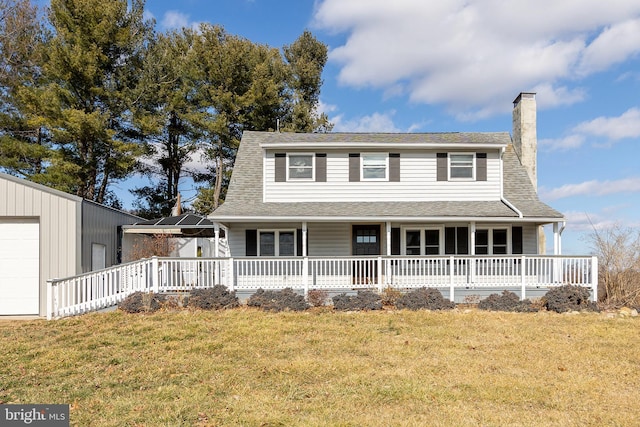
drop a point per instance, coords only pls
(435, 201)
(47, 234)
(345, 194)
(340, 212)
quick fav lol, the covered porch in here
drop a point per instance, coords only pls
(455, 276)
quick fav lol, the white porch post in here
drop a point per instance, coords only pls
(155, 270)
(387, 265)
(556, 239)
(388, 230)
(472, 251)
(305, 260)
(304, 238)
(523, 279)
(451, 278)
(594, 278)
(472, 243)
(216, 242)
(50, 309)
(230, 282)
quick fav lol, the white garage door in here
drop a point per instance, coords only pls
(19, 267)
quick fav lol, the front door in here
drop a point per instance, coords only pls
(365, 242)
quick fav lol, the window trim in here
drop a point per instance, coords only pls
(363, 157)
(490, 245)
(312, 167)
(276, 237)
(422, 229)
(450, 166)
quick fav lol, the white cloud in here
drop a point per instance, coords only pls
(626, 125)
(376, 122)
(471, 55)
(614, 44)
(173, 20)
(592, 188)
(611, 129)
(562, 144)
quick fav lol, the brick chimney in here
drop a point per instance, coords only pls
(525, 139)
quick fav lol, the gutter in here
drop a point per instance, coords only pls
(504, 199)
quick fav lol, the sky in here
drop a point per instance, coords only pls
(457, 65)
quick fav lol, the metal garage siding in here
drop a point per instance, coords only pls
(100, 225)
(57, 213)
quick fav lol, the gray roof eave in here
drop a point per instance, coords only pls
(381, 145)
(286, 218)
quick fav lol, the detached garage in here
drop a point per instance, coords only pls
(45, 234)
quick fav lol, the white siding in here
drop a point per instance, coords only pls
(417, 182)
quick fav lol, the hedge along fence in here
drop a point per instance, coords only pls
(561, 299)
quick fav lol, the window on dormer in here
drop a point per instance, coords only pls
(461, 166)
(374, 167)
(300, 166)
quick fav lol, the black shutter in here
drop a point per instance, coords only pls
(462, 239)
(354, 167)
(442, 167)
(481, 166)
(394, 167)
(281, 167)
(516, 240)
(395, 241)
(321, 167)
(450, 240)
(251, 242)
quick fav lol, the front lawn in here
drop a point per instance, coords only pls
(320, 367)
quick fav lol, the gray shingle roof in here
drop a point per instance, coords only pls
(245, 195)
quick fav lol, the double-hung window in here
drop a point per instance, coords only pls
(300, 166)
(374, 167)
(461, 166)
(277, 243)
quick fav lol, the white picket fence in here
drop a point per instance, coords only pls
(105, 288)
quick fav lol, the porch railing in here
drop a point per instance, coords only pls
(100, 289)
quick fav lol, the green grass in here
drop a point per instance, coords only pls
(318, 368)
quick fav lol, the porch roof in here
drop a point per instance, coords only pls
(171, 224)
(245, 196)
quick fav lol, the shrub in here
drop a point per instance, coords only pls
(364, 300)
(390, 296)
(285, 299)
(139, 302)
(317, 297)
(216, 298)
(508, 301)
(424, 298)
(568, 298)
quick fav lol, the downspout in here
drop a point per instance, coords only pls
(502, 198)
